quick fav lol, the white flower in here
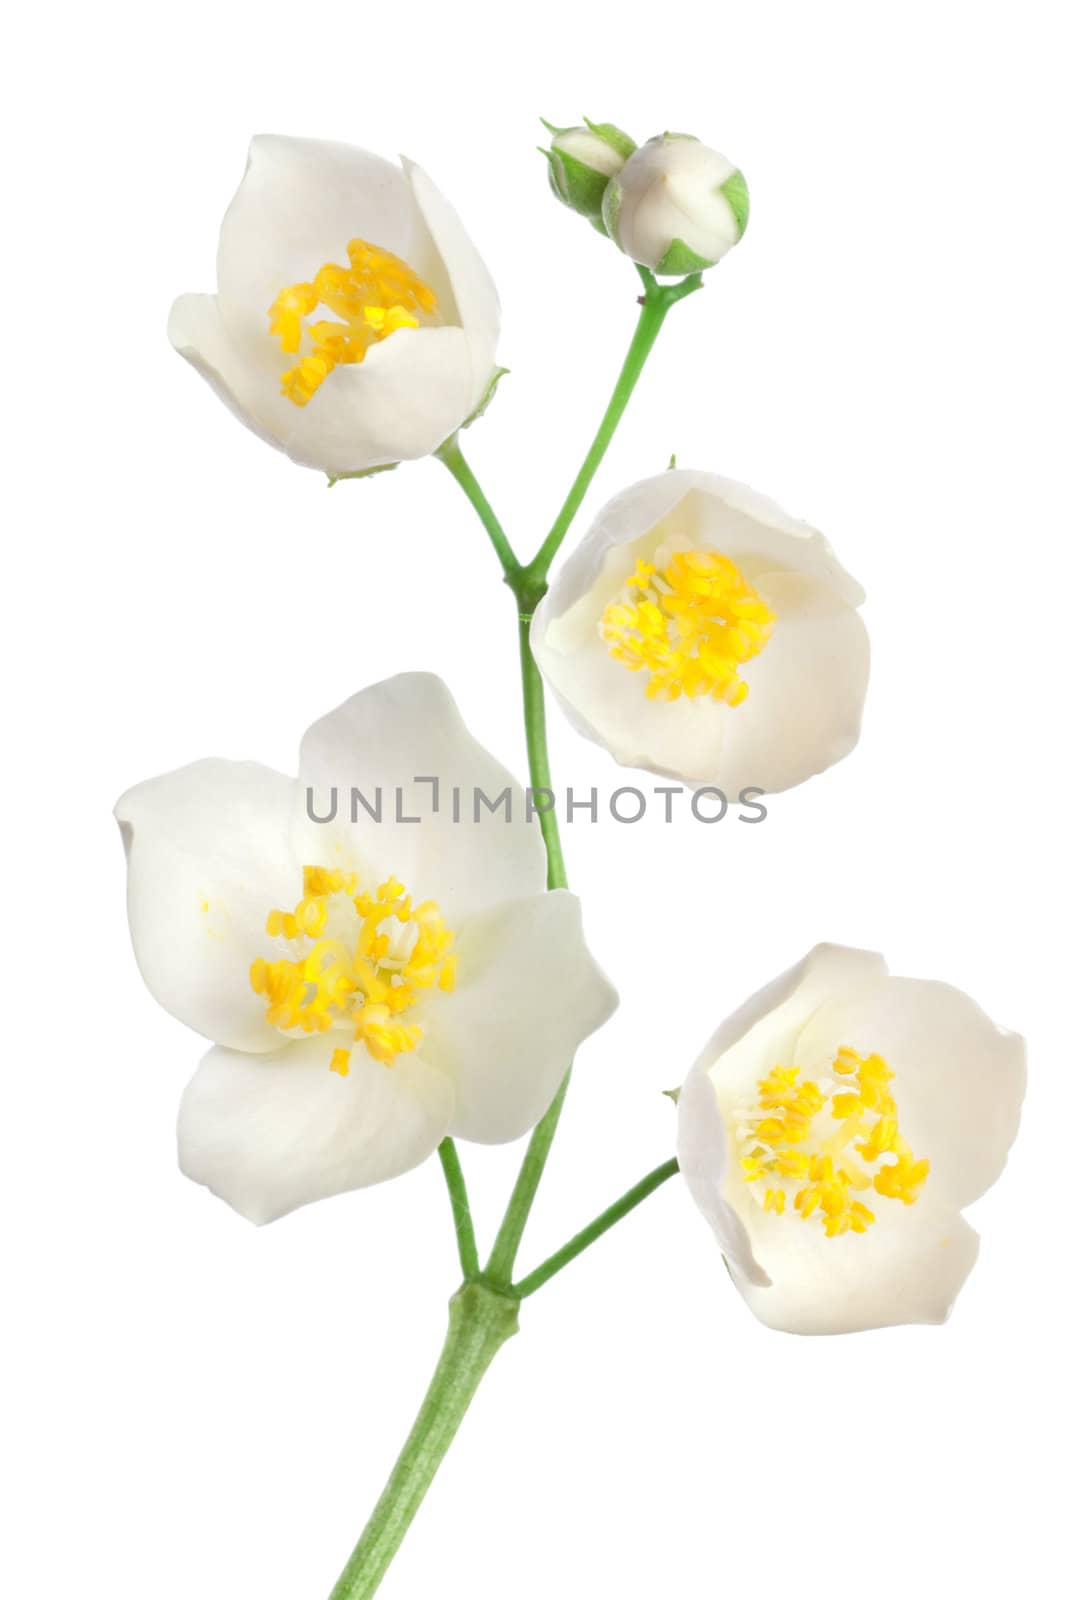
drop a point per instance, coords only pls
(369, 987)
(700, 632)
(676, 205)
(831, 1133)
(355, 324)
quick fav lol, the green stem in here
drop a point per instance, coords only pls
(484, 1313)
(479, 1323)
(655, 305)
(500, 1267)
(500, 1264)
(532, 695)
(450, 453)
(603, 1223)
(460, 1209)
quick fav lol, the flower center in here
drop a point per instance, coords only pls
(819, 1142)
(373, 297)
(356, 962)
(689, 624)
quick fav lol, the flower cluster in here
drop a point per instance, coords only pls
(371, 990)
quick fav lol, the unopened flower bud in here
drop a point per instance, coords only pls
(581, 162)
(676, 206)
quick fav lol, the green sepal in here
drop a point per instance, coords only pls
(611, 207)
(680, 261)
(450, 445)
(578, 186)
(738, 197)
(615, 137)
(552, 177)
(672, 1094)
(486, 399)
(365, 472)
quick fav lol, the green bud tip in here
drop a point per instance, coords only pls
(618, 140)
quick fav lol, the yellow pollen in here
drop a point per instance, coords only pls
(689, 625)
(371, 298)
(811, 1145)
(357, 961)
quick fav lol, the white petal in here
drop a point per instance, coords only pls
(960, 1079)
(409, 394)
(768, 1024)
(803, 711)
(249, 382)
(763, 1031)
(714, 513)
(527, 993)
(674, 209)
(908, 1268)
(386, 737)
(625, 518)
(299, 203)
(474, 293)
(759, 535)
(802, 714)
(703, 217)
(590, 149)
(609, 705)
(270, 1133)
(703, 1156)
(208, 860)
(690, 164)
(604, 701)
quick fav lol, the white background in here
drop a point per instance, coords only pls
(200, 1409)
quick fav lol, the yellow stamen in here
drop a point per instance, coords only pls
(375, 296)
(807, 1139)
(689, 625)
(357, 960)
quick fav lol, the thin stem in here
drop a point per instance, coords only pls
(450, 453)
(479, 1324)
(595, 1230)
(543, 795)
(500, 1265)
(529, 589)
(505, 1250)
(460, 1209)
(484, 1313)
(655, 305)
